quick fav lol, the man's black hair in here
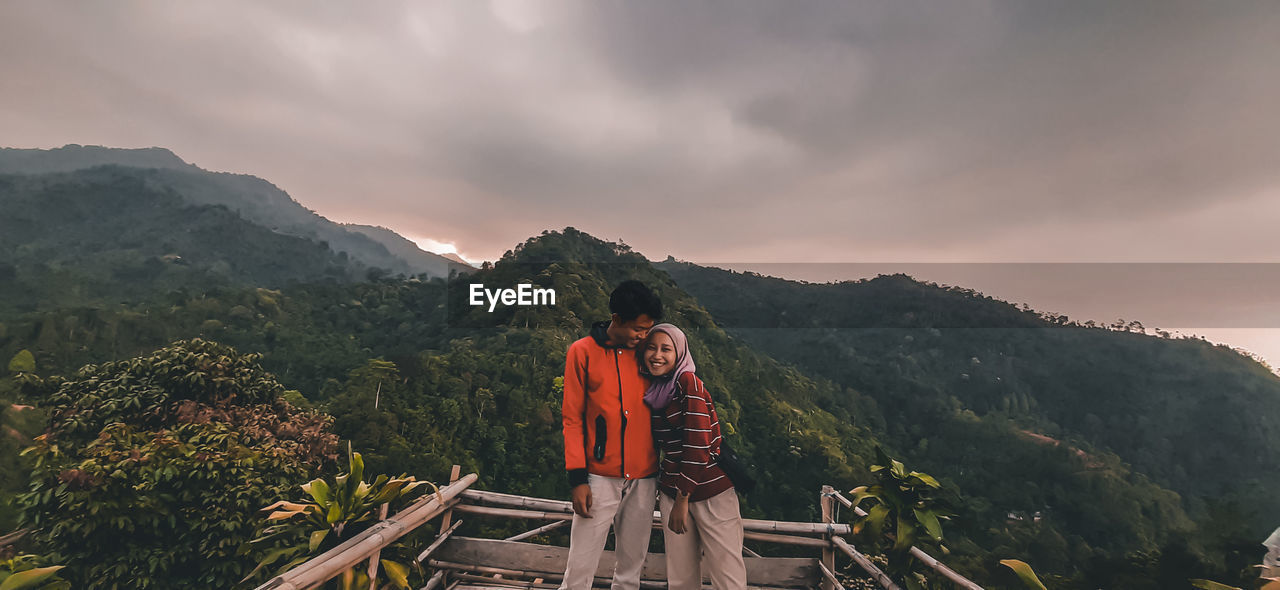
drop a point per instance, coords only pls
(631, 299)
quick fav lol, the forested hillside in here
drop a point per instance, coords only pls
(418, 380)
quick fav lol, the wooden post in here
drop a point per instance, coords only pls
(827, 501)
(373, 559)
(448, 514)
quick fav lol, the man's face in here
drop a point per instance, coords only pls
(631, 333)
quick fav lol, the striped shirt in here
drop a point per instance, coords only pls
(688, 433)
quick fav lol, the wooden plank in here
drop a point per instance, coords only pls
(780, 572)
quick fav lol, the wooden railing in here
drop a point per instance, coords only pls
(470, 563)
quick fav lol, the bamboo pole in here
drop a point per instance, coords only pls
(325, 566)
(515, 501)
(511, 513)
(551, 510)
(830, 577)
(828, 563)
(538, 531)
(440, 539)
(435, 581)
(924, 558)
(784, 539)
(880, 577)
(796, 528)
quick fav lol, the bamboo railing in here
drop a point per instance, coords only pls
(450, 571)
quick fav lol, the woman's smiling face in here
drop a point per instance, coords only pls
(659, 354)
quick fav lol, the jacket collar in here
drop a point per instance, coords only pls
(600, 333)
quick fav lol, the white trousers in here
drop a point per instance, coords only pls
(627, 506)
(712, 542)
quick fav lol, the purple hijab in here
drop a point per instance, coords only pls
(663, 389)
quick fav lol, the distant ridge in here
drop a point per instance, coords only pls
(257, 200)
(74, 157)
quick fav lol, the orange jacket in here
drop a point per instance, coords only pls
(607, 427)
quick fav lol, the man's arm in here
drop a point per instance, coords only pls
(572, 412)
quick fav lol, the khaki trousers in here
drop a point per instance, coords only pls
(712, 543)
(627, 506)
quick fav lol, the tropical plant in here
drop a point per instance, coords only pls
(907, 510)
(28, 572)
(153, 468)
(335, 511)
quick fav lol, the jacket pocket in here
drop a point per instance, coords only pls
(602, 437)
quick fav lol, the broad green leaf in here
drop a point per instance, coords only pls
(319, 490)
(875, 519)
(398, 572)
(930, 522)
(317, 538)
(1025, 573)
(287, 505)
(923, 478)
(906, 534)
(29, 578)
(357, 472)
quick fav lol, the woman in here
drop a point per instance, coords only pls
(698, 501)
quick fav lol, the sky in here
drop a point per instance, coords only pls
(718, 132)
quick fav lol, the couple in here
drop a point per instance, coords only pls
(630, 390)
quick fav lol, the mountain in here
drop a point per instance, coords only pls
(108, 234)
(251, 197)
(1199, 419)
(436, 265)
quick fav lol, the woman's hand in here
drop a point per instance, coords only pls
(679, 515)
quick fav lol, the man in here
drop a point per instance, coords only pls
(608, 443)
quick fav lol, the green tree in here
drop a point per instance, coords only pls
(153, 468)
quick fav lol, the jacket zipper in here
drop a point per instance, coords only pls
(622, 438)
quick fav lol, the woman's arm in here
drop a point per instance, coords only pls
(700, 435)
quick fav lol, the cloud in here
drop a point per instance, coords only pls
(714, 130)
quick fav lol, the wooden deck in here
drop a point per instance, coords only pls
(467, 563)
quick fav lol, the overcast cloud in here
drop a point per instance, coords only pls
(773, 131)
